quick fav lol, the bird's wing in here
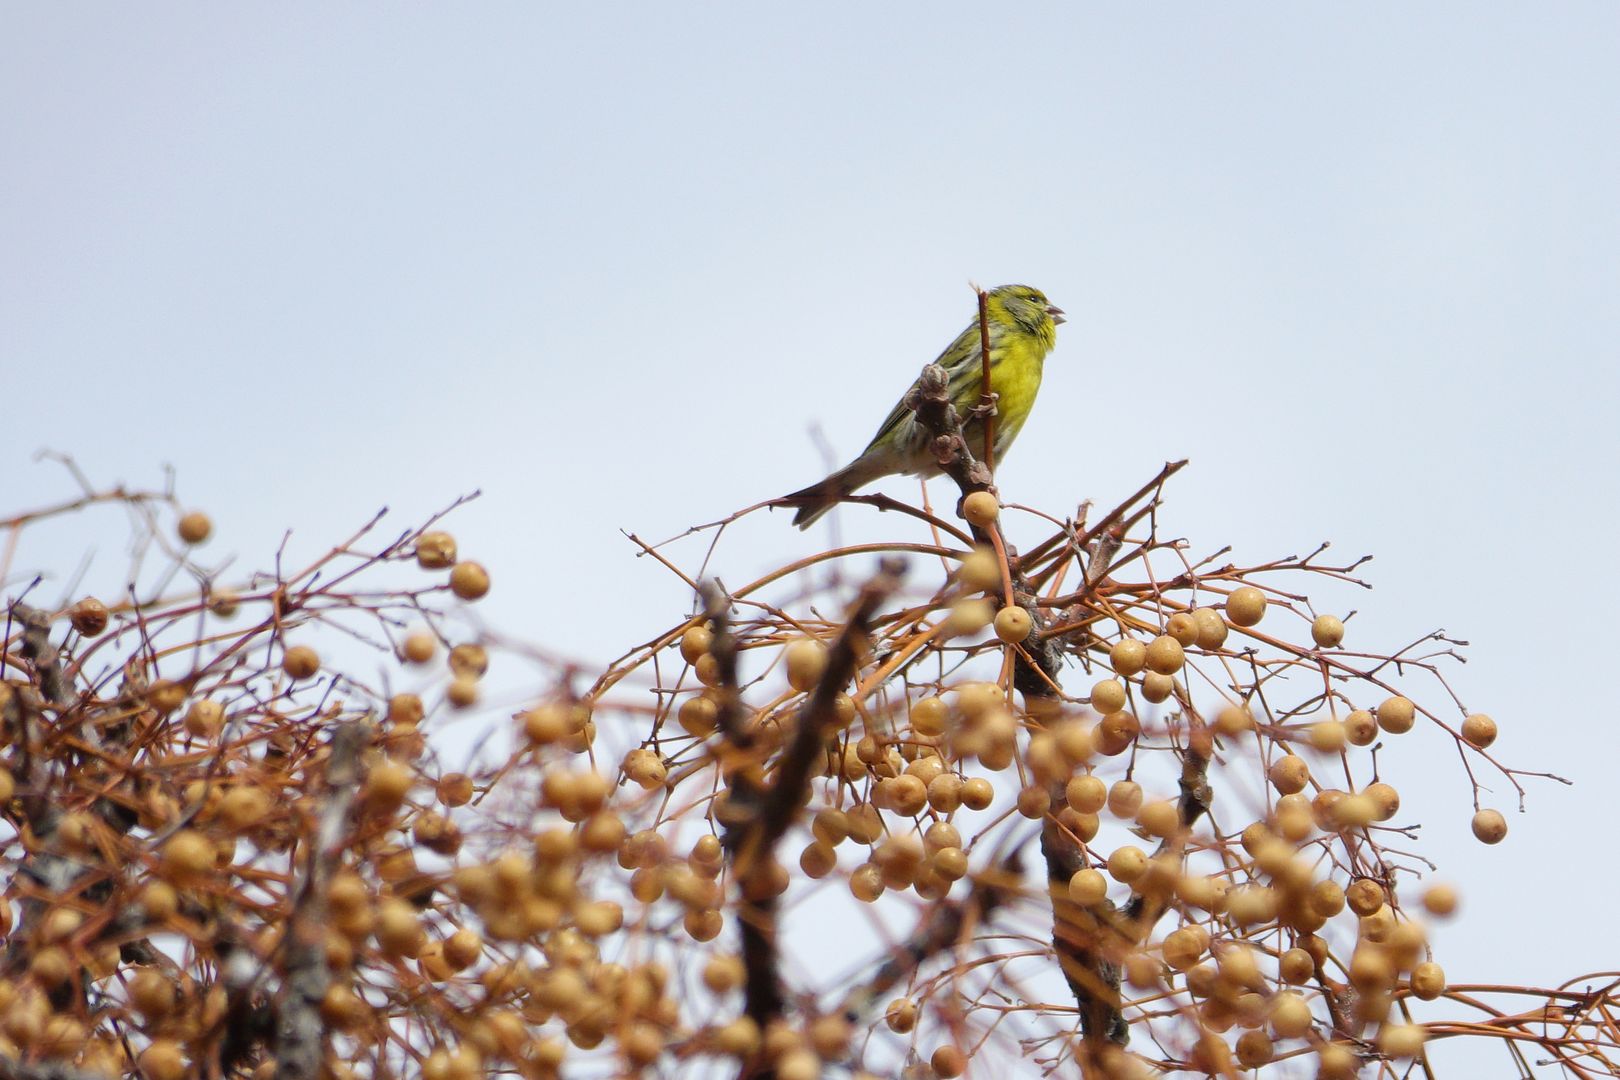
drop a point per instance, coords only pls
(962, 363)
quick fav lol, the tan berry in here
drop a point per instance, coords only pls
(969, 616)
(1289, 774)
(698, 716)
(1183, 627)
(1327, 631)
(469, 580)
(723, 973)
(462, 693)
(1127, 864)
(159, 900)
(1290, 1015)
(905, 794)
(163, 1060)
(224, 602)
(1034, 802)
(1401, 1040)
(798, 1064)
(89, 616)
(645, 769)
(1296, 966)
(950, 863)
(901, 1015)
(386, 785)
(187, 854)
(1354, 811)
(398, 929)
(1479, 730)
(166, 695)
(1076, 742)
(1328, 736)
(1125, 799)
(1385, 798)
(1157, 688)
(1143, 972)
(405, 709)
(1088, 887)
(739, 1038)
(695, 642)
(1086, 794)
(243, 807)
(152, 993)
(981, 571)
(1364, 896)
(1360, 728)
(195, 527)
(301, 662)
(1440, 899)
(1107, 696)
(707, 669)
(1246, 606)
(455, 789)
(806, 660)
(928, 716)
(945, 793)
(866, 883)
(1159, 818)
(469, 659)
(1013, 624)
(1249, 905)
(1253, 1049)
(1489, 826)
(1127, 657)
(1233, 720)
(1428, 980)
(1212, 629)
(205, 718)
(1184, 947)
(977, 794)
(419, 647)
(1396, 715)
(980, 508)
(948, 1062)
(435, 550)
(1165, 655)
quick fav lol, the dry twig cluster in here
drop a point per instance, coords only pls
(1095, 805)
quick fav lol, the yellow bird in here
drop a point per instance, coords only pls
(1023, 329)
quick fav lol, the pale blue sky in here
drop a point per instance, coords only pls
(1358, 262)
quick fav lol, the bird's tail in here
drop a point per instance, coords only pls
(821, 497)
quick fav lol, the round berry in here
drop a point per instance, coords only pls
(1327, 631)
(1165, 655)
(469, 580)
(1013, 624)
(89, 616)
(1479, 730)
(195, 527)
(301, 662)
(1396, 715)
(1489, 826)
(435, 550)
(1246, 606)
(1127, 657)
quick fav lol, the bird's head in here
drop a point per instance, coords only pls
(1028, 307)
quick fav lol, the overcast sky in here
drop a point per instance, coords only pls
(613, 265)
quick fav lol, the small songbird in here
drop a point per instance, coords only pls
(1023, 328)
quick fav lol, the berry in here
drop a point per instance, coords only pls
(1246, 606)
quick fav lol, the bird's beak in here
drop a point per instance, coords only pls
(1056, 313)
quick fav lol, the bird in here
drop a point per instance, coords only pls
(1023, 329)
